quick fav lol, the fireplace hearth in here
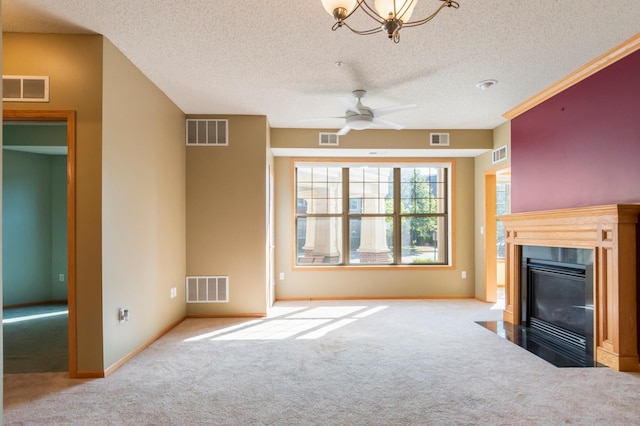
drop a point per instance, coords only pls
(550, 349)
(556, 315)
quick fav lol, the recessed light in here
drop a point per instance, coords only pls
(485, 84)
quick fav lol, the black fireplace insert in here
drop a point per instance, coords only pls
(557, 299)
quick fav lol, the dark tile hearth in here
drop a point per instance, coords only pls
(546, 347)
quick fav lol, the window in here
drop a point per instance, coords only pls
(503, 202)
(372, 214)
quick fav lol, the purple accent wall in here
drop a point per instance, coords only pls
(581, 147)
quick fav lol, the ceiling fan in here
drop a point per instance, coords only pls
(360, 117)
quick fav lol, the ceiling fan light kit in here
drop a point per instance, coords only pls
(391, 15)
(361, 117)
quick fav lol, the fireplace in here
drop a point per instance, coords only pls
(557, 300)
(605, 239)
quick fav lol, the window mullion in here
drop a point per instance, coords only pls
(397, 240)
(346, 224)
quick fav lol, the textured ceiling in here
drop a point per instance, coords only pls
(278, 58)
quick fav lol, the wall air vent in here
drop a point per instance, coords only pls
(207, 132)
(329, 139)
(498, 155)
(22, 88)
(212, 289)
(439, 139)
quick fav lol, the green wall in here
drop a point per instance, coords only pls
(33, 221)
(34, 134)
(58, 227)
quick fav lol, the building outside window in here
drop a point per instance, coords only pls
(372, 214)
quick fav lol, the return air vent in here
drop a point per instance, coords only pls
(212, 289)
(21, 88)
(439, 139)
(499, 154)
(207, 132)
(329, 139)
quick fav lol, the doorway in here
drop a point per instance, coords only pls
(497, 186)
(64, 268)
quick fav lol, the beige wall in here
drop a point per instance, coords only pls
(483, 165)
(351, 283)
(383, 139)
(226, 216)
(74, 65)
(143, 207)
(130, 189)
(270, 240)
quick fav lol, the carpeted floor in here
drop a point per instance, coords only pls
(35, 339)
(420, 362)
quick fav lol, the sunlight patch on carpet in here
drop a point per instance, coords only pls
(222, 331)
(33, 317)
(274, 330)
(292, 322)
(325, 330)
(329, 312)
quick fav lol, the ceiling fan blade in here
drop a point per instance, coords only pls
(387, 123)
(351, 104)
(343, 131)
(378, 112)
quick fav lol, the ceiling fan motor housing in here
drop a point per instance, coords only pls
(361, 121)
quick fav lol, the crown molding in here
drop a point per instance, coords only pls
(601, 62)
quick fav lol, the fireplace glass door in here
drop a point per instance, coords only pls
(557, 294)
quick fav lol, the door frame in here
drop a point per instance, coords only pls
(69, 117)
(271, 291)
(490, 234)
(490, 250)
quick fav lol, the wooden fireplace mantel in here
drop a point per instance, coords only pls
(611, 231)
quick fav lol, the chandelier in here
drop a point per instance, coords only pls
(391, 15)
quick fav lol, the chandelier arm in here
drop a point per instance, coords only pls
(359, 5)
(406, 9)
(365, 32)
(392, 24)
(373, 14)
(447, 3)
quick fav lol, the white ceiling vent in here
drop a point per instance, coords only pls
(329, 139)
(213, 289)
(439, 139)
(207, 132)
(22, 88)
(499, 154)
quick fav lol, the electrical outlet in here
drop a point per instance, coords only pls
(281, 276)
(61, 277)
(464, 275)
